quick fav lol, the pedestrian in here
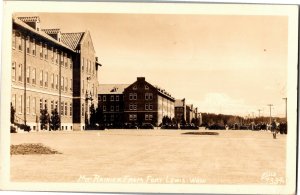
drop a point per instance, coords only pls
(274, 128)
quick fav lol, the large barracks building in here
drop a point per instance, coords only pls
(52, 69)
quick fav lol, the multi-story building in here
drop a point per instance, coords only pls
(145, 103)
(111, 103)
(54, 70)
(180, 110)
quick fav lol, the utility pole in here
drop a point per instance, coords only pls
(270, 112)
(285, 108)
(259, 112)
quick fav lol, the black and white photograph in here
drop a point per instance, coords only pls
(149, 97)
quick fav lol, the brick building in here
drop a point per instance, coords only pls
(111, 103)
(180, 110)
(54, 70)
(145, 103)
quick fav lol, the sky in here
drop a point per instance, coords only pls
(229, 64)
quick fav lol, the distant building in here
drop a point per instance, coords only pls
(180, 110)
(111, 103)
(146, 103)
(51, 69)
(189, 113)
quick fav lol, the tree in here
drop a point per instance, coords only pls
(99, 116)
(12, 113)
(55, 120)
(93, 116)
(44, 118)
(183, 122)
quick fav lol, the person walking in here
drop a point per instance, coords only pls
(274, 128)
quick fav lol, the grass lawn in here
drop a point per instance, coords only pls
(152, 156)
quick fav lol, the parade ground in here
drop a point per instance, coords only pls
(153, 156)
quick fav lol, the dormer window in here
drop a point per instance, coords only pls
(146, 87)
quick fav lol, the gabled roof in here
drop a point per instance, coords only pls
(112, 88)
(19, 22)
(30, 19)
(179, 103)
(51, 31)
(72, 39)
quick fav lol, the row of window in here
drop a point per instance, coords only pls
(45, 51)
(112, 98)
(90, 66)
(17, 74)
(112, 108)
(135, 87)
(134, 107)
(133, 117)
(31, 105)
(93, 89)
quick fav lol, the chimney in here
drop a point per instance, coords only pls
(140, 78)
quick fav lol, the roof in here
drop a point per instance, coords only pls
(30, 19)
(112, 88)
(164, 92)
(51, 31)
(41, 33)
(72, 39)
(179, 103)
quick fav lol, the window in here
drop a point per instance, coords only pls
(150, 117)
(132, 96)
(41, 50)
(27, 45)
(150, 96)
(41, 104)
(56, 56)
(146, 96)
(56, 105)
(13, 71)
(20, 73)
(82, 64)
(34, 76)
(71, 85)
(104, 98)
(28, 74)
(134, 87)
(45, 51)
(117, 108)
(87, 66)
(62, 80)
(46, 104)
(33, 47)
(52, 54)
(82, 86)
(46, 79)
(134, 107)
(146, 87)
(62, 108)
(150, 106)
(66, 60)
(56, 82)
(82, 109)
(41, 78)
(112, 108)
(112, 98)
(66, 109)
(146, 107)
(112, 117)
(99, 98)
(146, 117)
(71, 109)
(117, 98)
(20, 103)
(19, 41)
(67, 83)
(104, 108)
(52, 105)
(71, 62)
(34, 105)
(27, 104)
(52, 81)
(61, 59)
(132, 117)
(13, 39)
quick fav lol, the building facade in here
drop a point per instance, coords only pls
(145, 103)
(52, 70)
(111, 104)
(180, 110)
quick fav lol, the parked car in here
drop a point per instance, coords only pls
(146, 126)
(189, 126)
(169, 126)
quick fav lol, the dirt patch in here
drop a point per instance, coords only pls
(25, 149)
(201, 133)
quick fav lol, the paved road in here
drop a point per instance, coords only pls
(153, 156)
